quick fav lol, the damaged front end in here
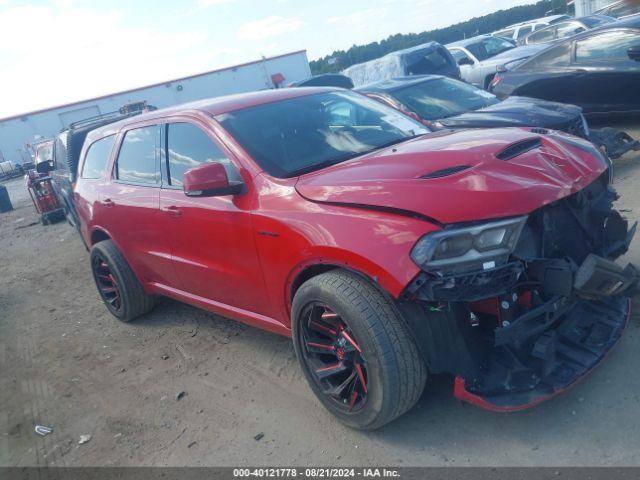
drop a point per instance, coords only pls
(519, 309)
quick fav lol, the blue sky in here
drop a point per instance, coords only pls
(124, 44)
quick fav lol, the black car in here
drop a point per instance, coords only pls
(444, 102)
(325, 80)
(598, 70)
(67, 146)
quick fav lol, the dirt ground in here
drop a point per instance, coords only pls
(67, 364)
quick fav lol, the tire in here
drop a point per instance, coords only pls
(118, 286)
(395, 371)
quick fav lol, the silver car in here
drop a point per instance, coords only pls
(479, 57)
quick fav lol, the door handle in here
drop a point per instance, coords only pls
(107, 202)
(172, 210)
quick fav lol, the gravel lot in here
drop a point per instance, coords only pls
(67, 364)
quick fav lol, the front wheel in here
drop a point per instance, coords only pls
(355, 350)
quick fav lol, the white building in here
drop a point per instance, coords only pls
(20, 131)
(587, 7)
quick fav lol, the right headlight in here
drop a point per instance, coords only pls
(478, 247)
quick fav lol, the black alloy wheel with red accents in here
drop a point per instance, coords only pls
(336, 361)
(106, 283)
(355, 349)
(120, 289)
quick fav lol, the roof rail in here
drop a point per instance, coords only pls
(126, 111)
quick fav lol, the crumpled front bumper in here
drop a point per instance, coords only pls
(522, 332)
(615, 142)
(581, 340)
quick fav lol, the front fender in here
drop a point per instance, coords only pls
(375, 244)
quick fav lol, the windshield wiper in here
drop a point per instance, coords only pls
(395, 142)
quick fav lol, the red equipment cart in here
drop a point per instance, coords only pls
(43, 197)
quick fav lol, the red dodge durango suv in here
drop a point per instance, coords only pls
(386, 251)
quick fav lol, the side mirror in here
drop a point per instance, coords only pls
(465, 61)
(44, 167)
(209, 180)
(634, 53)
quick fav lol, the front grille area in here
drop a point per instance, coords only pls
(468, 287)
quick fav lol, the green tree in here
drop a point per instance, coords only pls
(341, 59)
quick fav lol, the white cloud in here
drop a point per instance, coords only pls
(361, 18)
(91, 53)
(269, 27)
(203, 5)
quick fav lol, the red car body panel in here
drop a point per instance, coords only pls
(490, 188)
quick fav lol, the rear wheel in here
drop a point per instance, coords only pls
(118, 286)
(355, 350)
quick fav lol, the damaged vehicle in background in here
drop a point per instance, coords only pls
(386, 251)
(428, 58)
(441, 102)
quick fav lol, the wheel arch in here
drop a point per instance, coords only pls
(98, 235)
(381, 279)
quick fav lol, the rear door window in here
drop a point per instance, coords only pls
(95, 161)
(505, 33)
(459, 55)
(568, 29)
(524, 31)
(187, 147)
(138, 157)
(606, 47)
(541, 36)
(551, 58)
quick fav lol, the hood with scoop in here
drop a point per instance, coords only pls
(461, 176)
(517, 111)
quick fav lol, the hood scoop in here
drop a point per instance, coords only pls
(445, 172)
(516, 149)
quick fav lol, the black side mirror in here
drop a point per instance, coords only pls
(44, 167)
(465, 61)
(634, 53)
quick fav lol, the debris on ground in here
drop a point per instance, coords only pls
(192, 444)
(258, 436)
(42, 430)
(84, 439)
(32, 224)
(180, 395)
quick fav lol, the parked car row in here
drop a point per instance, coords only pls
(566, 28)
(598, 70)
(519, 31)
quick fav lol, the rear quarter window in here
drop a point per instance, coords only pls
(95, 161)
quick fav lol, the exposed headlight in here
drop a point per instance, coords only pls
(478, 247)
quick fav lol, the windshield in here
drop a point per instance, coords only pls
(442, 98)
(303, 134)
(489, 47)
